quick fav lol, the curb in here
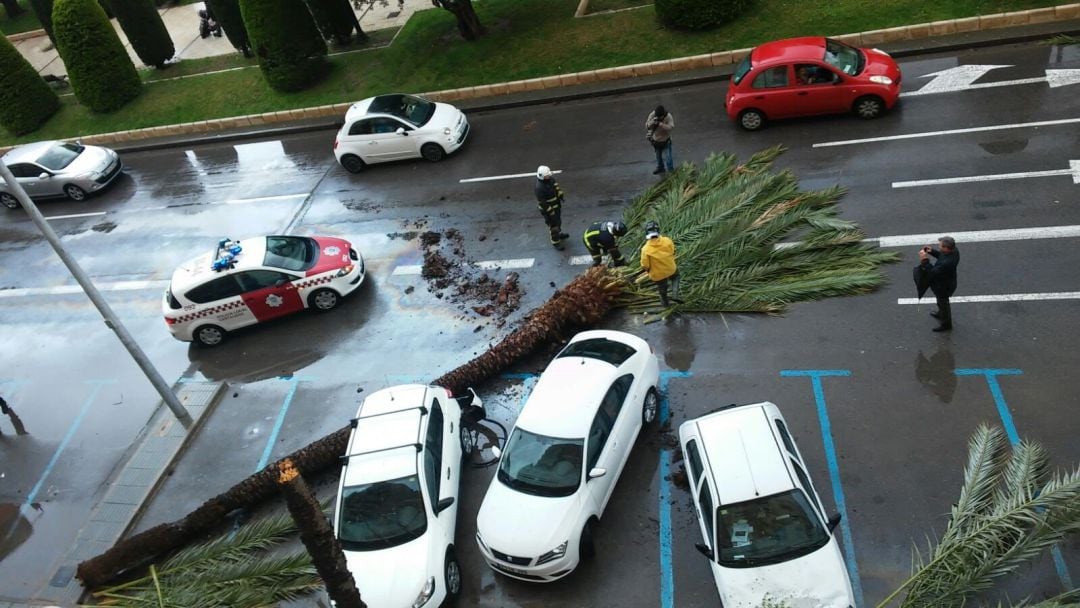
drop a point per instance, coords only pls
(20, 36)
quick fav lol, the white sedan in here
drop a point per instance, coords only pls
(565, 454)
(394, 127)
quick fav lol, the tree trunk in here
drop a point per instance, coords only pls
(361, 36)
(12, 7)
(318, 537)
(467, 21)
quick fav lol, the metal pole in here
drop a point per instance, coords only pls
(111, 320)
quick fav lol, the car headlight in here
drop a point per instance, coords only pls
(480, 541)
(555, 553)
(881, 79)
(344, 271)
(446, 131)
(425, 593)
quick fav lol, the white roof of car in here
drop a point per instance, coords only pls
(358, 109)
(387, 430)
(197, 271)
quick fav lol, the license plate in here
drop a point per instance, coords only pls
(512, 570)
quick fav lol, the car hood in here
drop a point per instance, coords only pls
(333, 254)
(817, 580)
(550, 520)
(445, 116)
(392, 578)
(879, 63)
(91, 159)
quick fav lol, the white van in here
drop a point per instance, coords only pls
(765, 529)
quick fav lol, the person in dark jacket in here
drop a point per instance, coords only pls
(549, 200)
(942, 277)
(601, 238)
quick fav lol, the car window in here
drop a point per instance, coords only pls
(603, 349)
(59, 156)
(615, 396)
(361, 127)
(598, 436)
(742, 70)
(541, 465)
(694, 458)
(848, 60)
(25, 170)
(768, 530)
(217, 289)
(810, 74)
(788, 443)
(705, 503)
(253, 280)
(772, 78)
(382, 514)
(804, 479)
(413, 109)
(295, 253)
(386, 125)
(433, 447)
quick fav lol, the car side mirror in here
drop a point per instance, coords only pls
(43, 175)
(597, 472)
(702, 549)
(401, 131)
(834, 520)
(444, 504)
(496, 451)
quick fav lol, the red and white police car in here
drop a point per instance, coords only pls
(254, 280)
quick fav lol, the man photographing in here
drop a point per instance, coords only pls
(942, 275)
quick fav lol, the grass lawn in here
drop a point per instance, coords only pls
(596, 6)
(526, 39)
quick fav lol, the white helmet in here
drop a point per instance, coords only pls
(543, 172)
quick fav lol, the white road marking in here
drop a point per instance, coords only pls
(70, 289)
(1005, 297)
(259, 199)
(981, 236)
(231, 201)
(504, 264)
(1019, 125)
(408, 269)
(580, 260)
(497, 177)
(75, 215)
(962, 78)
(1073, 170)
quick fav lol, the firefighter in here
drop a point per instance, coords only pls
(601, 238)
(658, 261)
(549, 199)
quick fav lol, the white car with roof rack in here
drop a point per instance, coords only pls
(246, 282)
(396, 509)
(765, 529)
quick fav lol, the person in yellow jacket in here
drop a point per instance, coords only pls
(658, 260)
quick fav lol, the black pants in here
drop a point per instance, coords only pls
(662, 286)
(944, 311)
(597, 252)
(553, 219)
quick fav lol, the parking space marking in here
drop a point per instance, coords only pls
(815, 376)
(503, 264)
(667, 582)
(1004, 297)
(75, 215)
(407, 269)
(1018, 125)
(580, 260)
(990, 375)
(980, 236)
(1073, 171)
(294, 382)
(498, 177)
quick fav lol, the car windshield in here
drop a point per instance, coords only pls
(848, 60)
(59, 156)
(413, 109)
(541, 466)
(741, 70)
(603, 349)
(290, 252)
(768, 530)
(380, 515)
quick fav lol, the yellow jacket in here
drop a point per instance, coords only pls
(658, 257)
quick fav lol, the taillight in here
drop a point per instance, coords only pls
(169, 321)
(335, 143)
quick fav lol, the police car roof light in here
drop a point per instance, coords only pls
(225, 255)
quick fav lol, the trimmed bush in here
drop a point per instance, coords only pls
(291, 52)
(145, 30)
(228, 15)
(43, 10)
(698, 14)
(26, 101)
(100, 71)
(336, 20)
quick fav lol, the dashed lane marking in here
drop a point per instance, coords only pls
(75, 215)
(1019, 125)
(1004, 297)
(70, 289)
(498, 177)
(970, 236)
(230, 201)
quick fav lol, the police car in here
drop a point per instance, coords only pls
(245, 282)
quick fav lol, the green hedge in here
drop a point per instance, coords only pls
(100, 71)
(26, 101)
(335, 19)
(698, 14)
(145, 30)
(228, 15)
(291, 52)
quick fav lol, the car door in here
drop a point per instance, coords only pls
(440, 473)
(28, 176)
(607, 446)
(269, 294)
(818, 90)
(386, 143)
(772, 93)
(219, 302)
(702, 493)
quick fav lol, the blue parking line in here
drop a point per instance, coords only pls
(294, 382)
(990, 375)
(815, 376)
(667, 578)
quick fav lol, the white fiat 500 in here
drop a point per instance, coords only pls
(765, 529)
(396, 509)
(565, 454)
(255, 280)
(393, 127)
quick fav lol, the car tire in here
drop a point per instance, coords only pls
(432, 152)
(352, 163)
(74, 192)
(751, 120)
(869, 107)
(209, 336)
(650, 407)
(586, 547)
(452, 578)
(324, 300)
(8, 200)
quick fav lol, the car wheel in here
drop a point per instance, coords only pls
(650, 408)
(751, 120)
(869, 107)
(324, 299)
(74, 192)
(8, 200)
(209, 335)
(452, 576)
(586, 548)
(432, 152)
(352, 163)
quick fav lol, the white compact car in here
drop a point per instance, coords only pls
(765, 529)
(396, 509)
(393, 127)
(565, 454)
(256, 280)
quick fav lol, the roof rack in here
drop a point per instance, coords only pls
(423, 412)
(345, 458)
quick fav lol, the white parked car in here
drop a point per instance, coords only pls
(48, 169)
(565, 454)
(765, 529)
(397, 126)
(396, 509)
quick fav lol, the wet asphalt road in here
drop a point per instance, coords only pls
(899, 417)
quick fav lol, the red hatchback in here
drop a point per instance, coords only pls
(808, 76)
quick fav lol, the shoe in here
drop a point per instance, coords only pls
(935, 314)
(563, 236)
(940, 328)
(658, 172)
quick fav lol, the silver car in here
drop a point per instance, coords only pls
(55, 168)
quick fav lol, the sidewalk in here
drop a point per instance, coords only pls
(183, 25)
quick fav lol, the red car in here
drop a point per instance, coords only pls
(808, 76)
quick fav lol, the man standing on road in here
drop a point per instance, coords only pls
(658, 259)
(549, 199)
(942, 277)
(601, 238)
(658, 128)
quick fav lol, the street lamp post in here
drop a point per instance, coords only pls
(111, 320)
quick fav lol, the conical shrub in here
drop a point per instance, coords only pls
(336, 20)
(228, 15)
(101, 73)
(291, 52)
(698, 14)
(26, 101)
(145, 30)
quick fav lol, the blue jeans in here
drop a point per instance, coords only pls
(663, 156)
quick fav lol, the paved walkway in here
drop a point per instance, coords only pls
(183, 25)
